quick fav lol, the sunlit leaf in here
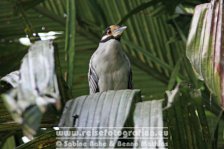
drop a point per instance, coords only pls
(36, 87)
(204, 47)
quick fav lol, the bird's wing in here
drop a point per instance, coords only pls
(93, 80)
(130, 84)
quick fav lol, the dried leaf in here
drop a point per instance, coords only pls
(35, 89)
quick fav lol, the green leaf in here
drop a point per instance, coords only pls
(216, 132)
(174, 74)
(70, 41)
(138, 9)
(204, 46)
(151, 57)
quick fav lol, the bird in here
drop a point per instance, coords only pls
(109, 66)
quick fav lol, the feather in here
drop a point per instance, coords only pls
(93, 80)
(130, 84)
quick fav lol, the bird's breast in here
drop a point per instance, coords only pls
(111, 66)
(110, 57)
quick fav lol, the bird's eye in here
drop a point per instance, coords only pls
(108, 31)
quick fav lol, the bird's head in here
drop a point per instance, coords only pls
(113, 32)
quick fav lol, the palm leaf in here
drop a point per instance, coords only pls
(154, 42)
(70, 40)
(204, 46)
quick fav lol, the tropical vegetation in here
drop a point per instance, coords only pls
(155, 42)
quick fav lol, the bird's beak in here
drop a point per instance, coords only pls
(119, 31)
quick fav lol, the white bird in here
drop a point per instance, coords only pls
(109, 67)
